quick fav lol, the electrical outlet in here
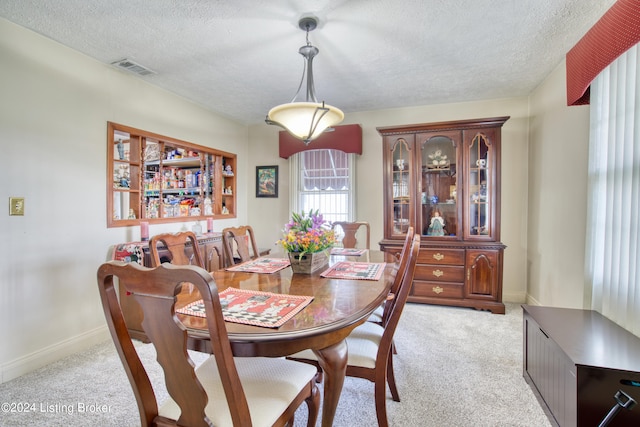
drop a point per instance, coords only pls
(16, 206)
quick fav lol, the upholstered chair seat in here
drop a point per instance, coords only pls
(270, 385)
(363, 344)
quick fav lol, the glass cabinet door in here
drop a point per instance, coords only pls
(480, 175)
(438, 207)
(402, 186)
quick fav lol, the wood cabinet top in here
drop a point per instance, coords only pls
(588, 338)
(451, 125)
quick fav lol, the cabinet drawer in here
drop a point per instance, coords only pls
(437, 289)
(440, 273)
(441, 256)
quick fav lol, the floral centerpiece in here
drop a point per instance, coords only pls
(307, 238)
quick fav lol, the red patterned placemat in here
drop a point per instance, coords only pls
(355, 270)
(262, 265)
(348, 251)
(256, 308)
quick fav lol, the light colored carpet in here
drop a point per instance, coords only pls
(454, 367)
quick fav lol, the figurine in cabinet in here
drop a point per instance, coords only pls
(480, 195)
(228, 170)
(120, 149)
(208, 209)
(438, 160)
(436, 228)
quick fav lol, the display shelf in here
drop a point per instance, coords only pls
(163, 179)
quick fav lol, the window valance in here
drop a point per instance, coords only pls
(347, 138)
(616, 32)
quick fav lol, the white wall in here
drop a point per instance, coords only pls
(263, 143)
(53, 126)
(558, 158)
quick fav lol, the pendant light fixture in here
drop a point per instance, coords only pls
(305, 120)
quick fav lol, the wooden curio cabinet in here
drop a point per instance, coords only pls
(444, 180)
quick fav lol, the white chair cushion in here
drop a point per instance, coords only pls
(362, 346)
(270, 385)
(376, 316)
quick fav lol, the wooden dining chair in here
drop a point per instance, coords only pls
(351, 231)
(176, 244)
(239, 245)
(223, 390)
(370, 354)
(401, 265)
(213, 258)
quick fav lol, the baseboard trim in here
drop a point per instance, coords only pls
(52, 353)
(532, 301)
(514, 297)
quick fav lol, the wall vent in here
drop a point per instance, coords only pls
(133, 67)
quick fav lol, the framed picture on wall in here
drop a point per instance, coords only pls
(266, 181)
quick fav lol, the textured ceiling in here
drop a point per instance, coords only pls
(239, 57)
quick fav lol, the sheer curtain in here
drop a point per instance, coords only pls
(613, 218)
(323, 179)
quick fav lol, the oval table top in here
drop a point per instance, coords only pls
(338, 306)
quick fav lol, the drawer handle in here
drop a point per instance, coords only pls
(438, 256)
(544, 333)
(438, 289)
(438, 273)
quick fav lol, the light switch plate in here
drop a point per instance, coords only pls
(16, 206)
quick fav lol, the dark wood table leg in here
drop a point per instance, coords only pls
(333, 361)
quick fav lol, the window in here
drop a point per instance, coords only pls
(324, 180)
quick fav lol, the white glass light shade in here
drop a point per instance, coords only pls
(305, 120)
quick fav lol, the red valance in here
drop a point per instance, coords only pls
(347, 138)
(616, 32)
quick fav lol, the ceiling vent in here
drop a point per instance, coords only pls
(133, 67)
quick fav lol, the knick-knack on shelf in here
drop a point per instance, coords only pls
(436, 228)
(120, 146)
(208, 209)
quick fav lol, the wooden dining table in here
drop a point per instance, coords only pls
(338, 306)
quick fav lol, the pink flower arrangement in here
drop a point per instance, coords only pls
(307, 233)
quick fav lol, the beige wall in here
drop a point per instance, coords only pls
(558, 154)
(264, 148)
(53, 124)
